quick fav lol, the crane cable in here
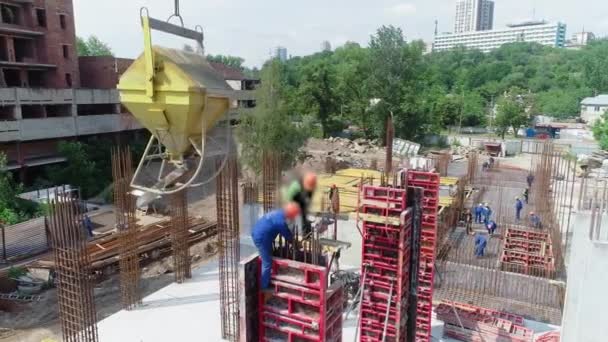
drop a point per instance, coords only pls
(176, 14)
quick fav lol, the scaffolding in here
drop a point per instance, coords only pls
(227, 199)
(77, 313)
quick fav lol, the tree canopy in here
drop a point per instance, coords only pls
(361, 86)
(92, 46)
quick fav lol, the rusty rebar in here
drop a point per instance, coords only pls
(271, 180)
(227, 200)
(77, 314)
(124, 202)
(390, 135)
(179, 236)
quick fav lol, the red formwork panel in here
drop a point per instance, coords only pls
(301, 306)
(473, 323)
(385, 256)
(530, 235)
(429, 182)
(529, 247)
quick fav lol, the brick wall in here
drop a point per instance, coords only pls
(102, 72)
(56, 37)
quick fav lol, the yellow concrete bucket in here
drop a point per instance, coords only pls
(186, 100)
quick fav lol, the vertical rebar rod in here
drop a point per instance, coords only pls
(227, 201)
(179, 236)
(77, 314)
(124, 201)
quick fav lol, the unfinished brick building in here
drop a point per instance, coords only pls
(42, 98)
(38, 44)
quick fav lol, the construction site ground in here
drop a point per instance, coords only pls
(189, 308)
(181, 312)
(34, 321)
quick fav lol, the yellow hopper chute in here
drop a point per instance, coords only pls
(179, 98)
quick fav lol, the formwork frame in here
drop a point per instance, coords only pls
(179, 236)
(124, 201)
(227, 200)
(77, 314)
(385, 258)
(429, 182)
(301, 306)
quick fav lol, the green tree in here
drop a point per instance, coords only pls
(92, 46)
(352, 90)
(595, 66)
(562, 103)
(12, 208)
(270, 126)
(8, 191)
(396, 75)
(510, 113)
(230, 61)
(318, 93)
(600, 131)
(79, 170)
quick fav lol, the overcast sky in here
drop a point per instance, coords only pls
(251, 28)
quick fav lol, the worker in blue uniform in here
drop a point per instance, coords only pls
(480, 244)
(519, 205)
(266, 230)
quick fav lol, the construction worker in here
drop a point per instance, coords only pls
(526, 194)
(491, 227)
(333, 198)
(487, 213)
(478, 213)
(491, 165)
(530, 180)
(519, 205)
(535, 220)
(480, 244)
(266, 230)
(301, 191)
(485, 166)
(88, 224)
(468, 220)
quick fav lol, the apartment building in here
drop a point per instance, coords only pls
(47, 93)
(474, 15)
(549, 34)
(244, 89)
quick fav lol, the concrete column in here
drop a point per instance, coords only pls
(74, 108)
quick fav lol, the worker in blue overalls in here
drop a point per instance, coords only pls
(480, 244)
(266, 230)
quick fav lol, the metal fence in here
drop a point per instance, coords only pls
(23, 240)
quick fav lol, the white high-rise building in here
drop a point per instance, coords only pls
(280, 53)
(580, 39)
(549, 34)
(325, 46)
(474, 15)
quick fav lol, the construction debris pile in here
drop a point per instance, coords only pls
(345, 153)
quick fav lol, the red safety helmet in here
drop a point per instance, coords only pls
(292, 210)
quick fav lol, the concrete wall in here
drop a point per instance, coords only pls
(590, 115)
(35, 129)
(96, 124)
(96, 96)
(586, 294)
